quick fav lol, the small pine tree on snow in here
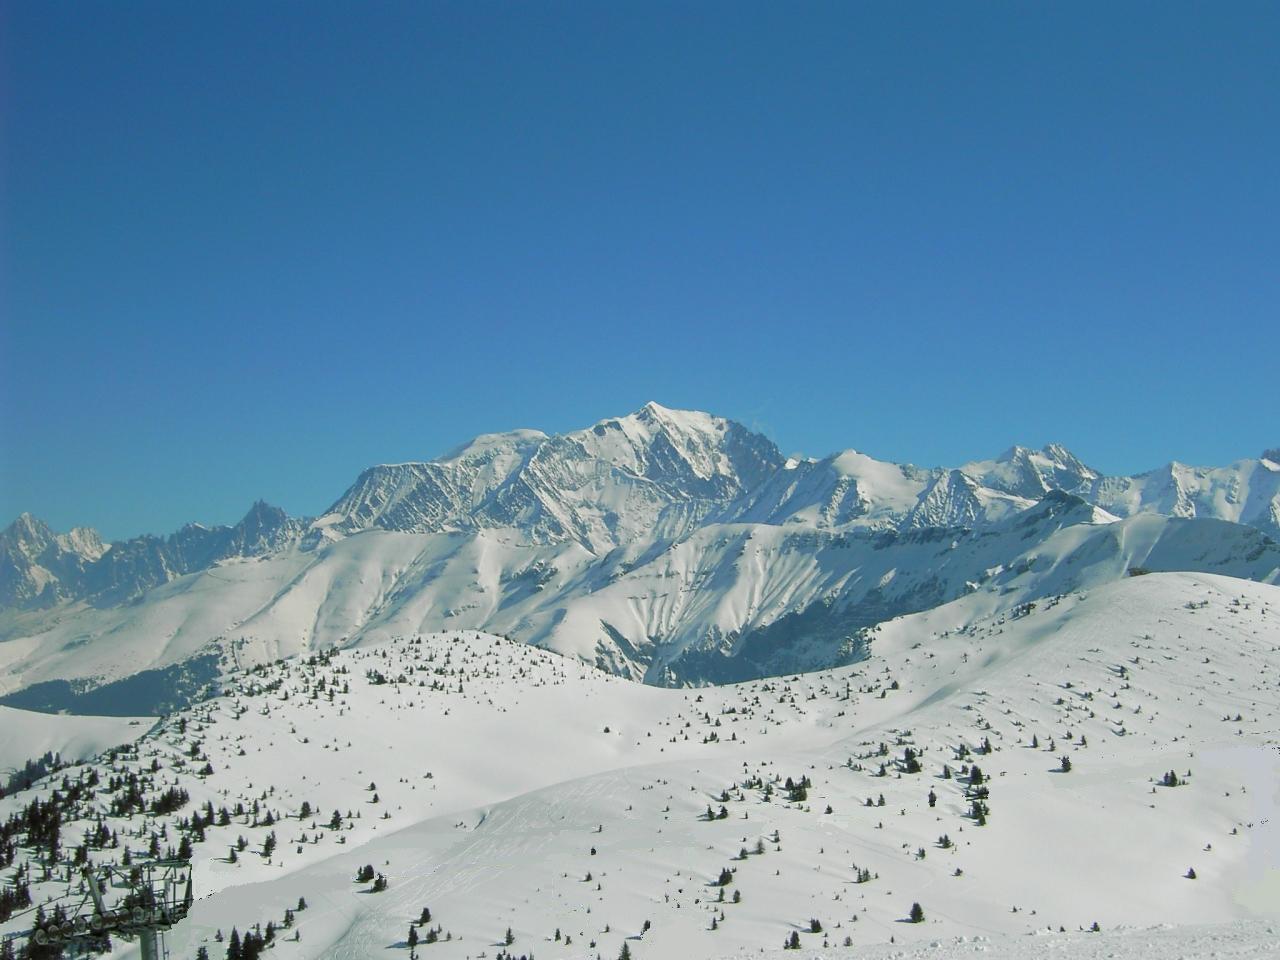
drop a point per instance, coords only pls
(917, 913)
(815, 925)
(1066, 764)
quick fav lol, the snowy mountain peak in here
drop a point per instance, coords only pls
(1064, 459)
(83, 542)
(653, 470)
(34, 560)
(27, 529)
(33, 535)
(489, 444)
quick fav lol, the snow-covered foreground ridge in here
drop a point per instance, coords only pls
(1246, 940)
(670, 546)
(502, 788)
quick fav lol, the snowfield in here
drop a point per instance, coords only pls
(1230, 941)
(28, 735)
(503, 787)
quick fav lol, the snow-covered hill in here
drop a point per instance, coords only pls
(30, 736)
(668, 545)
(504, 788)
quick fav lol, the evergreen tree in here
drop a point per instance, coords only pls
(917, 913)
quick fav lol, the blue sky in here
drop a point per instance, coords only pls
(247, 250)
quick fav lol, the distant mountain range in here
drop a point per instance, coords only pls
(668, 545)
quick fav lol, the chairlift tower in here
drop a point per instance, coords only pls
(149, 898)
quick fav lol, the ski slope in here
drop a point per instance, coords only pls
(478, 775)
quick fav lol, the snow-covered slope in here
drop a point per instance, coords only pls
(25, 736)
(504, 788)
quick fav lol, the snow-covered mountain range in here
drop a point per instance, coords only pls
(668, 545)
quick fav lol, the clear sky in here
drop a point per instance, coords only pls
(247, 250)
